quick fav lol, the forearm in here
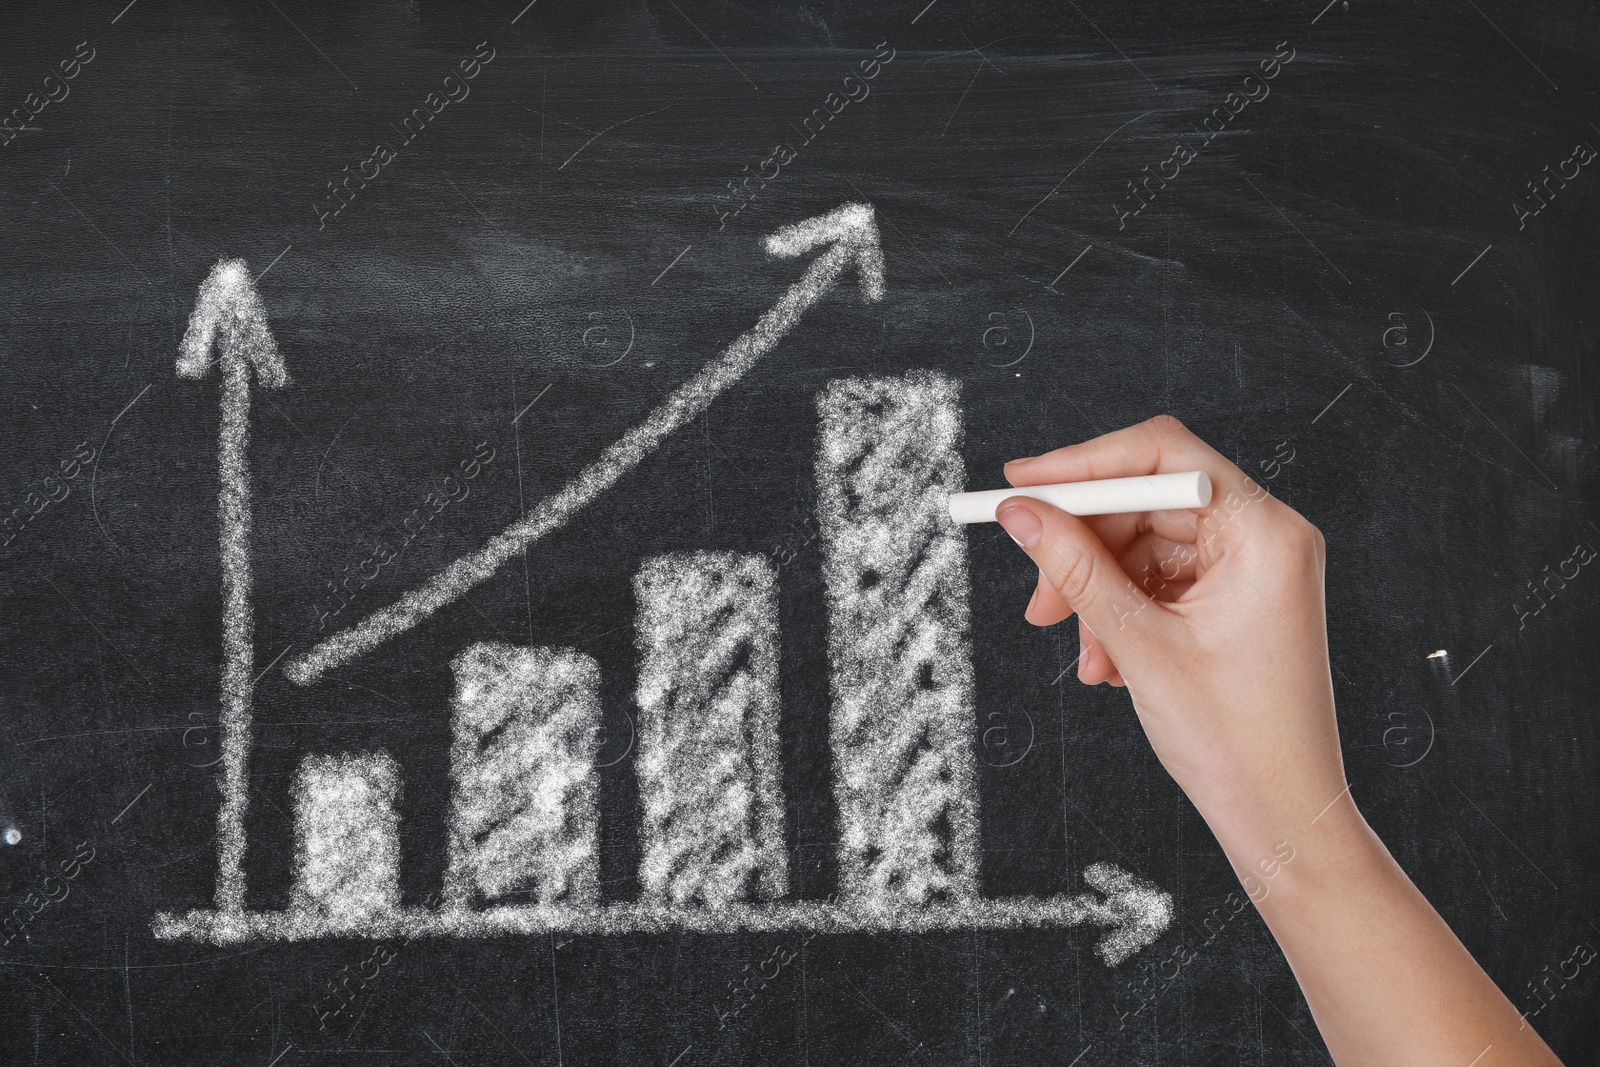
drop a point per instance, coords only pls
(1386, 979)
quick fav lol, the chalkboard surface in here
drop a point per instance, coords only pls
(445, 445)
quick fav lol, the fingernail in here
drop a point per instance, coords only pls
(1031, 600)
(1019, 459)
(1023, 525)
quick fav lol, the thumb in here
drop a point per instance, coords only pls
(1079, 567)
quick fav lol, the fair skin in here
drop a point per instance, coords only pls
(1213, 620)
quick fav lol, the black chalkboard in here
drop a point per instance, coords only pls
(1352, 245)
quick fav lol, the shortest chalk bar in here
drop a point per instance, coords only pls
(1146, 492)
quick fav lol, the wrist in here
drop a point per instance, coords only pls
(1293, 862)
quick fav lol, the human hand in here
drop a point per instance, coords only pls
(1214, 620)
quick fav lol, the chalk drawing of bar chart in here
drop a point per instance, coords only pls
(522, 855)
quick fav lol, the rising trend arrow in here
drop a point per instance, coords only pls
(229, 317)
(850, 236)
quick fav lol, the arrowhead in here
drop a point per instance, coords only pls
(1139, 911)
(849, 228)
(228, 301)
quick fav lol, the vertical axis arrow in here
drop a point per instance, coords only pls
(229, 317)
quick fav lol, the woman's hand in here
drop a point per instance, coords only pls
(1213, 620)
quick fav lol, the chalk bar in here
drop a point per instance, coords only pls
(1148, 492)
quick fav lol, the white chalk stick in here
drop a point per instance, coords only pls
(1148, 492)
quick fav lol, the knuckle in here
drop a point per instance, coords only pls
(1319, 543)
(1076, 580)
(1305, 531)
(1299, 537)
(1166, 427)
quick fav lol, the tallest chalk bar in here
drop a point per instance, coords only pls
(896, 575)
